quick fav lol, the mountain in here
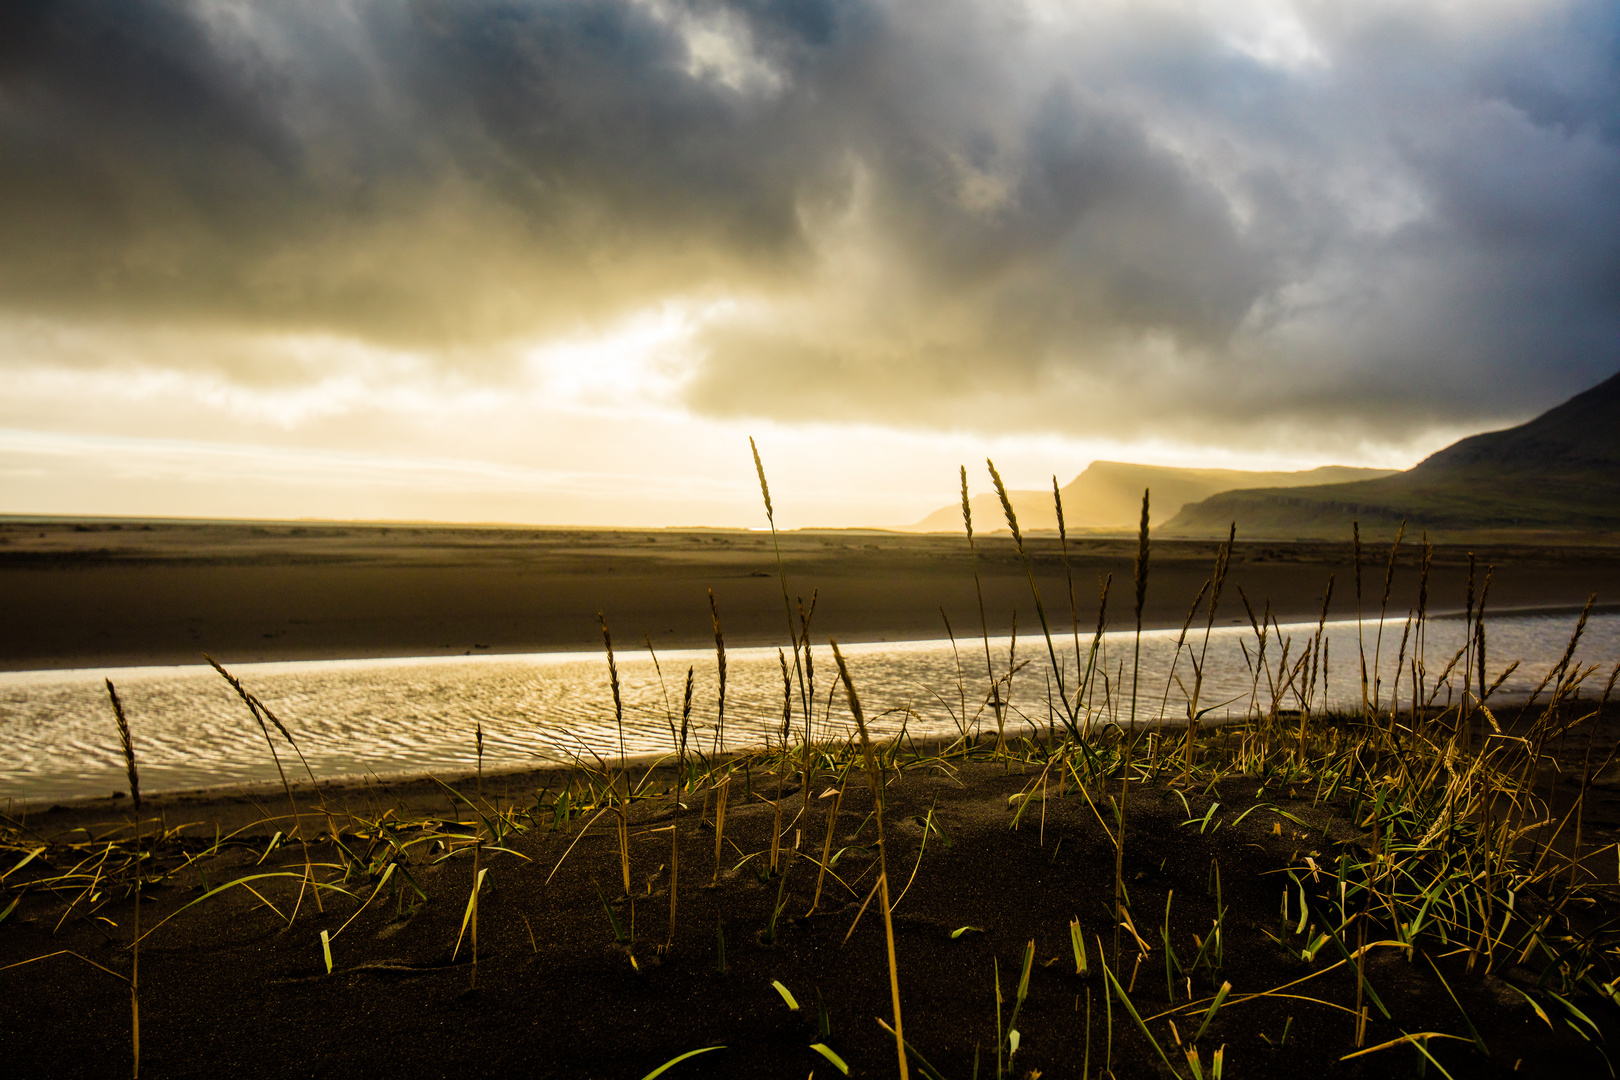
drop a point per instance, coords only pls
(1108, 496)
(1558, 472)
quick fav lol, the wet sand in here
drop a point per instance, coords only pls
(116, 593)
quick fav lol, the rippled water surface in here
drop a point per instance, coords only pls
(387, 717)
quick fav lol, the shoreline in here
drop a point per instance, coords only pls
(669, 649)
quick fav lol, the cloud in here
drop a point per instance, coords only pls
(1338, 219)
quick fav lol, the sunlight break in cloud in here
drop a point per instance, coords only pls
(523, 232)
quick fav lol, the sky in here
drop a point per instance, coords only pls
(554, 261)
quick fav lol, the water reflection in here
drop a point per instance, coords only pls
(386, 717)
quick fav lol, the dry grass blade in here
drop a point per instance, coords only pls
(1223, 561)
(996, 705)
(1383, 611)
(135, 948)
(722, 790)
(1068, 576)
(1416, 1037)
(781, 576)
(826, 847)
(883, 871)
(613, 781)
(1141, 579)
(259, 713)
(1069, 719)
(675, 811)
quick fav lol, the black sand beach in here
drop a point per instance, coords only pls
(85, 594)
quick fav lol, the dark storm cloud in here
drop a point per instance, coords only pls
(1116, 219)
(428, 173)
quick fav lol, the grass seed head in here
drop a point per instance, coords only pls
(128, 747)
(1006, 504)
(764, 488)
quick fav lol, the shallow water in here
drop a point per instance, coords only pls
(387, 717)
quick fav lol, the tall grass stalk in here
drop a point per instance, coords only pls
(781, 575)
(1310, 680)
(1361, 646)
(1479, 652)
(1087, 685)
(1465, 714)
(782, 763)
(876, 783)
(675, 809)
(1420, 626)
(135, 947)
(1069, 719)
(1068, 577)
(478, 850)
(1223, 562)
(663, 687)
(1383, 611)
(960, 717)
(826, 847)
(722, 790)
(619, 801)
(1175, 659)
(260, 711)
(808, 742)
(984, 626)
(1140, 576)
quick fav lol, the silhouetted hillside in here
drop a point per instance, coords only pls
(1559, 472)
(1108, 496)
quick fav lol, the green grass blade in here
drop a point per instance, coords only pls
(826, 1051)
(1532, 1002)
(787, 996)
(1582, 1017)
(672, 1062)
(618, 933)
(1473, 1032)
(231, 885)
(1214, 1007)
(1119, 992)
(466, 917)
(911, 1051)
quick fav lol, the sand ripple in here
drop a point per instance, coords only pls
(387, 717)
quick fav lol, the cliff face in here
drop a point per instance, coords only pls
(1557, 473)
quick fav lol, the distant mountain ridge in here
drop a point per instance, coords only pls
(1108, 496)
(1557, 472)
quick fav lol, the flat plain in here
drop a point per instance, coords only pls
(92, 593)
